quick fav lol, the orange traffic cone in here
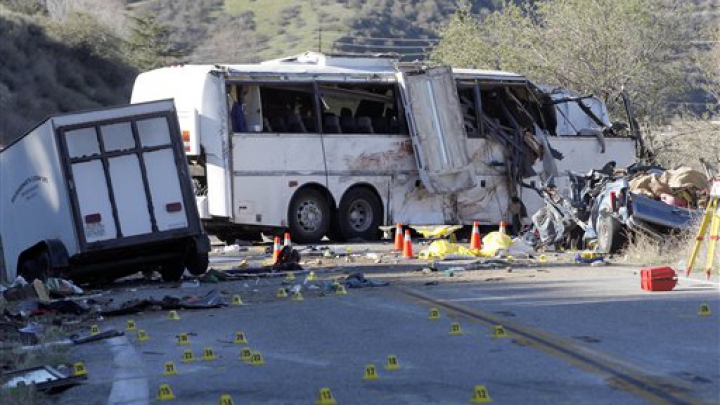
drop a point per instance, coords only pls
(276, 249)
(475, 238)
(503, 225)
(399, 241)
(288, 242)
(407, 248)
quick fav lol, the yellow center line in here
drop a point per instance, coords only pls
(621, 375)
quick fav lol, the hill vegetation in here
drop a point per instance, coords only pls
(63, 55)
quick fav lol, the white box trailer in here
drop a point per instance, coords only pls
(100, 194)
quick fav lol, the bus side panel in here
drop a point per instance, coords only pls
(215, 140)
(268, 169)
(487, 203)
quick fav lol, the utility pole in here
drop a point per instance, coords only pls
(320, 39)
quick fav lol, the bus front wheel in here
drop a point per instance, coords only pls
(360, 214)
(309, 216)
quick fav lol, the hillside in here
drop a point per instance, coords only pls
(47, 69)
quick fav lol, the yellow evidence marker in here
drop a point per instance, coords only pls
(169, 368)
(480, 395)
(165, 393)
(290, 276)
(94, 330)
(325, 397)
(209, 354)
(188, 356)
(173, 316)
(434, 314)
(341, 290)
(704, 310)
(311, 276)
(281, 293)
(499, 332)
(226, 399)
(370, 372)
(257, 359)
(183, 339)
(297, 296)
(236, 300)
(79, 369)
(240, 338)
(455, 329)
(142, 336)
(392, 363)
(130, 325)
(246, 354)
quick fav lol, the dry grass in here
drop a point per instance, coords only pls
(673, 251)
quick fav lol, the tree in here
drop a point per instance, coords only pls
(150, 45)
(592, 46)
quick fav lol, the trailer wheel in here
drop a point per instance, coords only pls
(172, 270)
(38, 266)
(197, 263)
(309, 216)
(610, 234)
(360, 214)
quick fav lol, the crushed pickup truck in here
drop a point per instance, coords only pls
(604, 205)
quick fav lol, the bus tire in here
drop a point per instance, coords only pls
(309, 216)
(197, 263)
(360, 214)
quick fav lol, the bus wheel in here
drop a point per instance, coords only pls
(360, 214)
(172, 270)
(309, 216)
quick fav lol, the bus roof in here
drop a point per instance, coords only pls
(314, 63)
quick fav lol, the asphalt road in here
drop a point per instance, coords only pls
(577, 334)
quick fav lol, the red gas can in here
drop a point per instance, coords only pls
(658, 279)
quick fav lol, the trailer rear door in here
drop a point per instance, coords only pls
(125, 180)
(437, 129)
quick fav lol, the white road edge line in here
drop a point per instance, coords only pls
(130, 387)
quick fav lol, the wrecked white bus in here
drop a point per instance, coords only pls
(338, 146)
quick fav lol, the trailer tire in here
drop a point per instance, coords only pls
(197, 263)
(609, 234)
(309, 216)
(37, 266)
(172, 270)
(360, 214)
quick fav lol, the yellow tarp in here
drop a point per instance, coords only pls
(491, 243)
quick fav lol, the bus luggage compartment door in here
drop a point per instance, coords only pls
(437, 131)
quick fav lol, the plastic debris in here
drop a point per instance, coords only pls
(358, 280)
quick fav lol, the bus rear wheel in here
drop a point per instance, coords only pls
(309, 216)
(360, 214)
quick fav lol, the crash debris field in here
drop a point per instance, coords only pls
(359, 324)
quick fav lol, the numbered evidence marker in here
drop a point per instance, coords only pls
(165, 393)
(257, 359)
(480, 395)
(209, 354)
(704, 310)
(236, 300)
(188, 356)
(94, 330)
(173, 316)
(226, 399)
(183, 339)
(392, 363)
(79, 369)
(281, 293)
(169, 368)
(434, 314)
(341, 290)
(240, 338)
(142, 336)
(370, 372)
(455, 329)
(499, 332)
(325, 397)
(246, 354)
(130, 325)
(297, 296)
